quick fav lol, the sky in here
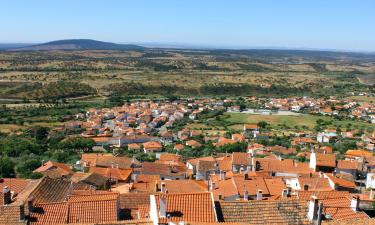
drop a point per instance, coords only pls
(303, 24)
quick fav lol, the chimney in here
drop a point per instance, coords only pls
(30, 204)
(284, 193)
(163, 207)
(354, 203)
(305, 187)
(7, 196)
(253, 164)
(220, 197)
(212, 185)
(259, 194)
(163, 187)
(222, 175)
(246, 195)
(312, 214)
(246, 176)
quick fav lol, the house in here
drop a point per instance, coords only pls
(134, 147)
(165, 171)
(179, 208)
(182, 186)
(264, 212)
(179, 147)
(241, 161)
(357, 154)
(239, 186)
(340, 184)
(152, 146)
(106, 161)
(114, 175)
(193, 144)
(370, 180)
(310, 184)
(166, 137)
(250, 130)
(103, 207)
(224, 141)
(54, 169)
(322, 162)
(348, 167)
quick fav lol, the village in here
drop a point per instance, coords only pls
(153, 162)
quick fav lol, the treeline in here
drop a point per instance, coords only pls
(51, 92)
(223, 89)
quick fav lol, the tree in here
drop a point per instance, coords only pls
(77, 143)
(6, 167)
(262, 124)
(14, 146)
(27, 166)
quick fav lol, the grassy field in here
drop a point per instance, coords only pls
(363, 98)
(290, 121)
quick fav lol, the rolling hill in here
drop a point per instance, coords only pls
(78, 44)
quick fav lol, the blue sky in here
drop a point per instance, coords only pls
(320, 24)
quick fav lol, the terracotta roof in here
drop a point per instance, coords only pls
(250, 126)
(224, 141)
(306, 195)
(284, 165)
(169, 157)
(50, 165)
(179, 147)
(78, 209)
(130, 204)
(112, 173)
(328, 160)
(152, 146)
(237, 185)
(204, 166)
(339, 208)
(358, 153)
(195, 161)
(10, 214)
(241, 158)
(315, 183)
(265, 212)
(275, 185)
(107, 160)
(355, 221)
(55, 190)
(347, 165)
(162, 169)
(193, 143)
(14, 184)
(341, 182)
(184, 186)
(133, 146)
(188, 207)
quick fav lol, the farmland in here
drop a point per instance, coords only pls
(49, 76)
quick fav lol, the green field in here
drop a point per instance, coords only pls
(277, 121)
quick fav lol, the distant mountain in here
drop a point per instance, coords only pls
(78, 44)
(4, 46)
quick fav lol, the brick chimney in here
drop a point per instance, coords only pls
(7, 196)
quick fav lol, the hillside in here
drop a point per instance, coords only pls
(78, 44)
